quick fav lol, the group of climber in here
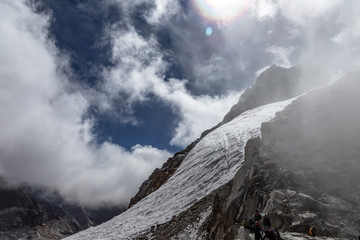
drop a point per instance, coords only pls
(261, 231)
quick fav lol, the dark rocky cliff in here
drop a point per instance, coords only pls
(86, 217)
(304, 171)
(26, 214)
(23, 217)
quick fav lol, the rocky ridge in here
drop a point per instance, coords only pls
(23, 217)
(25, 214)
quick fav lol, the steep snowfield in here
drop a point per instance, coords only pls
(211, 164)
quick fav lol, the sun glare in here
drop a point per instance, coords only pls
(221, 10)
(223, 5)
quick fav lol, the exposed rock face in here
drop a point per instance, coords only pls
(83, 216)
(303, 170)
(316, 144)
(87, 217)
(23, 217)
(187, 225)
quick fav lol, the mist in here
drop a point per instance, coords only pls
(318, 135)
(318, 138)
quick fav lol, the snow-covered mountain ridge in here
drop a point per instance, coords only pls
(273, 85)
(299, 166)
(210, 164)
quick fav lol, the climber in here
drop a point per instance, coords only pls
(246, 224)
(257, 216)
(277, 233)
(252, 224)
(257, 231)
(251, 221)
(312, 231)
(269, 234)
(266, 222)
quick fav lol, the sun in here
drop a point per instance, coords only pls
(223, 5)
(221, 10)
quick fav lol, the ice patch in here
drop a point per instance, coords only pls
(308, 215)
(306, 196)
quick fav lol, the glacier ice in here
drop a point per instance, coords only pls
(212, 163)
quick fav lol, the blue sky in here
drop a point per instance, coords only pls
(79, 31)
(96, 94)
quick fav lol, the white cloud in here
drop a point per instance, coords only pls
(324, 32)
(213, 74)
(114, 174)
(281, 55)
(163, 9)
(304, 12)
(45, 140)
(198, 114)
(139, 65)
(349, 21)
(264, 9)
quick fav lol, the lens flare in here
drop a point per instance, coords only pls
(221, 10)
(208, 31)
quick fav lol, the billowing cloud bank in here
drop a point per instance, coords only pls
(45, 140)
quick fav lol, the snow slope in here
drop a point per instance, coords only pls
(211, 163)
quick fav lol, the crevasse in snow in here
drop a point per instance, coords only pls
(211, 163)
